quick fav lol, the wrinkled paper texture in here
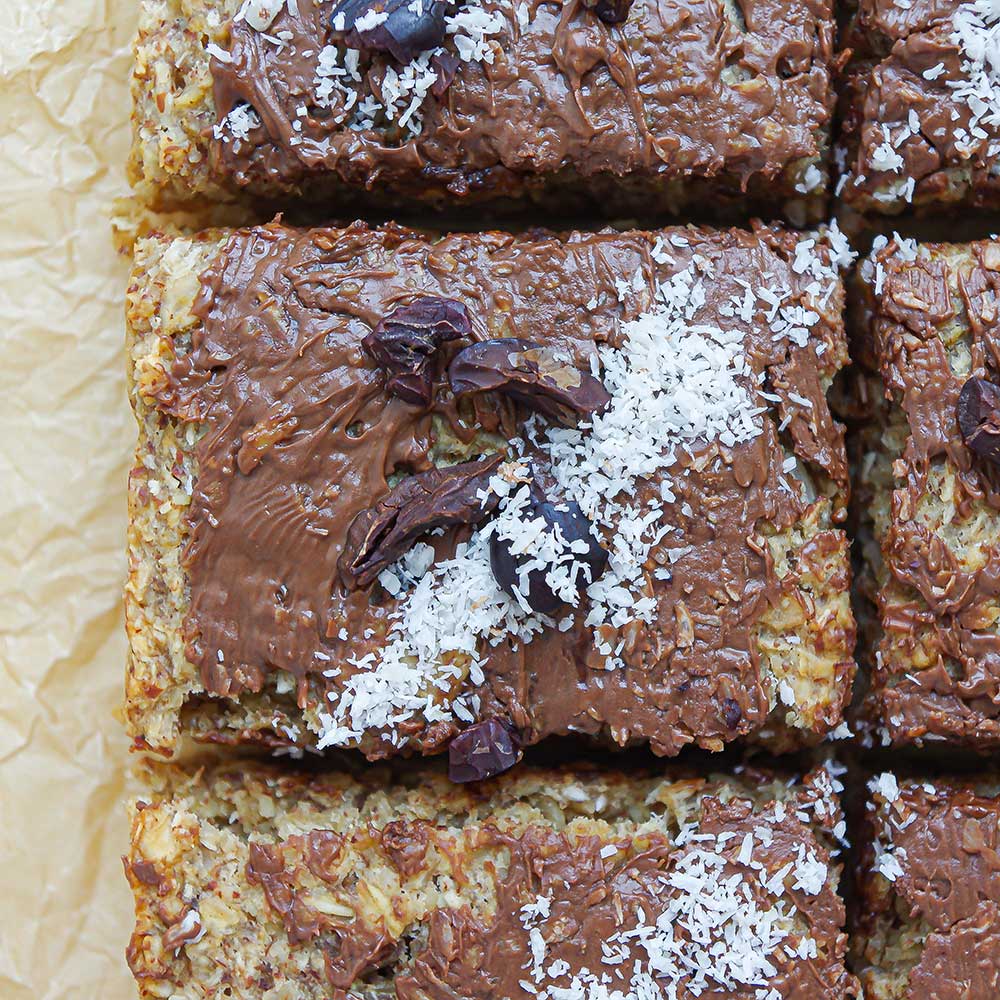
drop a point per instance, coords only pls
(67, 437)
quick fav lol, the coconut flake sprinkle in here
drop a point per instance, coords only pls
(976, 31)
(976, 34)
(718, 931)
(340, 81)
(675, 384)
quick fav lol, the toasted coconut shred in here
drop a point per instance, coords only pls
(674, 383)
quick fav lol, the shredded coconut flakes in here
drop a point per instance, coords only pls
(675, 383)
(976, 31)
(712, 934)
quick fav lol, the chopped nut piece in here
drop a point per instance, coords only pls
(978, 414)
(609, 11)
(514, 571)
(403, 28)
(484, 750)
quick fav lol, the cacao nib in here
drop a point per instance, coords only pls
(405, 28)
(978, 413)
(574, 526)
(731, 712)
(446, 66)
(609, 11)
(404, 342)
(437, 498)
(483, 750)
(530, 373)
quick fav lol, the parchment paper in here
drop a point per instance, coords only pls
(67, 435)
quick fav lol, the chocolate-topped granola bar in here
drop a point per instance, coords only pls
(929, 890)
(927, 482)
(400, 492)
(701, 105)
(922, 106)
(252, 883)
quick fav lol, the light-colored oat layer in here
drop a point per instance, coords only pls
(206, 930)
(172, 102)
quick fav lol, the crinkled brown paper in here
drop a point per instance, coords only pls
(67, 435)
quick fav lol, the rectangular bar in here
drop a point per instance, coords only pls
(930, 499)
(928, 890)
(254, 882)
(282, 588)
(702, 106)
(920, 100)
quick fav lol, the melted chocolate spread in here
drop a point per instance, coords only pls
(945, 608)
(652, 96)
(299, 436)
(896, 46)
(947, 839)
(593, 898)
(467, 956)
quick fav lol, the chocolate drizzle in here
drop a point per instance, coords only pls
(675, 90)
(938, 613)
(946, 839)
(300, 436)
(593, 895)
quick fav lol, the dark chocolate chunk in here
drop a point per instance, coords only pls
(405, 28)
(609, 11)
(573, 524)
(530, 373)
(437, 498)
(404, 342)
(978, 414)
(483, 750)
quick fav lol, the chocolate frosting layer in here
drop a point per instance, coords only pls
(299, 436)
(685, 88)
(945, 838)
(933, 326)
(594, 898)
(903, 91)
(963, 964)
(592, 891)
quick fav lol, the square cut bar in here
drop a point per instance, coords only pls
(921, 101)
(715, 477)
(931, 504)
(698, 106)
(929, 891)
(252, 883)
